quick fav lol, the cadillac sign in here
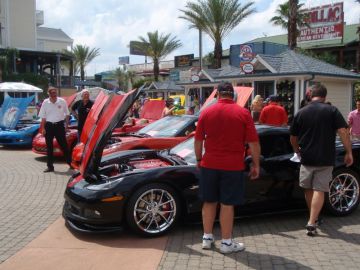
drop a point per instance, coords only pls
(326, 22)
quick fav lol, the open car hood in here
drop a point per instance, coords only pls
(93, 116)
(152, 109)
(242, 94)
(11, 111)
(114, 112)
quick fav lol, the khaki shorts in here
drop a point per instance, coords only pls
(315, 177)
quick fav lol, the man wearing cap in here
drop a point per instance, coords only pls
(273, 114)
(54, 114)
(81, 109)
(224, 128)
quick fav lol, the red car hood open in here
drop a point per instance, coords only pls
(152, 109)
(242, 94)
(93, 116)
(113, 113)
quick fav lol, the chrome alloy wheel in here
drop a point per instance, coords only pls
(155, 211)
(344, 192)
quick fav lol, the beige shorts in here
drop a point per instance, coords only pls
(315, 177)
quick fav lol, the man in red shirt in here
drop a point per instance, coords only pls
(226, 128)
(273, 114)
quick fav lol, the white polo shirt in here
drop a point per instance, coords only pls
(54, 112)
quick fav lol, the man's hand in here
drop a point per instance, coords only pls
(254, 172)
(348, 159)
(43, 132)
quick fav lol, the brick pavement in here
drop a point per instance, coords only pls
(31, 200)
(272, 242)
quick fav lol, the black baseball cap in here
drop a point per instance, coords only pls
(225, 87)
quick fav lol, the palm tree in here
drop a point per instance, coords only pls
(291, 19)
(83, 55)
(157, 47)
(216, 18)
(121, 78)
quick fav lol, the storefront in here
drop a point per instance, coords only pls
(288, 75)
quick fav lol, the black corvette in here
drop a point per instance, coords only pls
(151, 190)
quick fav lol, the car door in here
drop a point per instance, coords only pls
(276, 188)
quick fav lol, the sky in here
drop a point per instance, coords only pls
(110, 25)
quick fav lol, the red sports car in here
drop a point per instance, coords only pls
(39, 144)
(150, 112)
(161, 134)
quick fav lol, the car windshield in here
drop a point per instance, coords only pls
(167, 127)
(185, 150)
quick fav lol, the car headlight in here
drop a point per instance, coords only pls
(105, 186)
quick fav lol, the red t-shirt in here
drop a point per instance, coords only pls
(273, 114)
(225, 127)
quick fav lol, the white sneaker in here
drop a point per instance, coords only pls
(207, 243)
(233, 247)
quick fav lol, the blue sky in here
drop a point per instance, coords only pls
(111, 24)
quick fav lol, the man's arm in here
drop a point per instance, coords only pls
(73, 110)
(345, 139)
(67, 119)
(42, 126)
(295, 144)
(198, 147)
(255, 154)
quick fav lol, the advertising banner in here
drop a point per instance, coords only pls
(136, 48)
(124, 60)
(184, 60)
(11, 111)
(325, 22)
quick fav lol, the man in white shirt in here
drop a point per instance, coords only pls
(54, 114)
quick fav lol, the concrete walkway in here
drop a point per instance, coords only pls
(58, 249)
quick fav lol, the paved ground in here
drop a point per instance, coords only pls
(30, 201)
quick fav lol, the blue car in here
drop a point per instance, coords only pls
(14, 129)
(21, 135)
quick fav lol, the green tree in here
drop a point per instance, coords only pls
(290, 19)
(157, 47)
(217, 18)
(7, 63)
(121, 78)
(140, 82)
(83, 55)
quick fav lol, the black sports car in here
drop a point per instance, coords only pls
(151, 190)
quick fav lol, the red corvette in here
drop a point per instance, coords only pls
(151, 112)
(161, 134)
(39, 144)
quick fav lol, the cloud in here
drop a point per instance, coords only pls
(111, 24)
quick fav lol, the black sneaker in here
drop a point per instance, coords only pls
(48, 170)
(310, 230)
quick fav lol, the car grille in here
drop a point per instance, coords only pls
(40, 149)
(73, 209)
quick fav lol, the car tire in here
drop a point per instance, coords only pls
(343, 196)
(153, 210)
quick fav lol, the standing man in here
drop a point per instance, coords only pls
(273, 114)
(354, 122)
(226, 128)
(81, 109)
(313, 133)
(54, 114)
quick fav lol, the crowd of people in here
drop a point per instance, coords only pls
(221, 134)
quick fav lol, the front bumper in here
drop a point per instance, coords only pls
(101, 217)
